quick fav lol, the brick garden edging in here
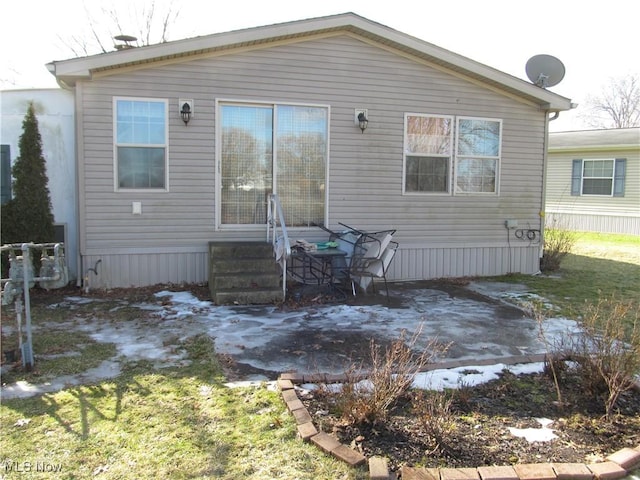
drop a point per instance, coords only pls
(616, 466)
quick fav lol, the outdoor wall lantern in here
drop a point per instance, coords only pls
(186, 110)
(363, 122)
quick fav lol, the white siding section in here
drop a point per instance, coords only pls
(593, 212)
(629, 225)
(365, 173)
(54, 111)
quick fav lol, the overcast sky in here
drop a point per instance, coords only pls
(596, 41)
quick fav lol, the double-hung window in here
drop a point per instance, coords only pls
(427, 158)
(438, 148)
(478, 149)
(140, 127)
(597, 177)
(603, 177)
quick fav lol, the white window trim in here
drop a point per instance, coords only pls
(406, 153)
(116, 188)
(612, 177)
(456, 157)
(218, 160)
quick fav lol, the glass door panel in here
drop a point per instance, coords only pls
(247, 163)
(301, 146)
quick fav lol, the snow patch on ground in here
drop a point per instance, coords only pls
(470, 376)
(543, 434)
(451, 378)
(318, 338)
(21, 389)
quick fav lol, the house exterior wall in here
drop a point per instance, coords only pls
(439, 235)
(594, 213)
(55, 113)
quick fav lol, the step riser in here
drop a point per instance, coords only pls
(243, 273)
(247, 297)
(245, 281)
(243, 265)
(240, 250)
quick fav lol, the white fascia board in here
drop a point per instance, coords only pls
(593, 148)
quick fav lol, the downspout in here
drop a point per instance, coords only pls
(545, 165)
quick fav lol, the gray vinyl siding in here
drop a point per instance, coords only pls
(466, 233)
(593, 212)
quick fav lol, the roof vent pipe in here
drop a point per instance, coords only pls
(126, 39)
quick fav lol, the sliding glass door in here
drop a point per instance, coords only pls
(273, 148)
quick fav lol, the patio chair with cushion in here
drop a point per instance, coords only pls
(372, 255)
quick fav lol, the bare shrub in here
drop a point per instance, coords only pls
(434, 414)
(462, 395)
(558, 243)
(371, 391)
(608, 353)
(554, 355)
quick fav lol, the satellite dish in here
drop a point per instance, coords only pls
(544, 70)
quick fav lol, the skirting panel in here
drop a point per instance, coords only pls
(143, 269)
(629, 225)
(420, 263)
(451, 262)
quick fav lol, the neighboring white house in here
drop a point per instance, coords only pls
(453, 156)
(55, 113)
(593, 181)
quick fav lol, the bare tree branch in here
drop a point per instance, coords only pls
(617, 106)
(169, 18)
(149, 23)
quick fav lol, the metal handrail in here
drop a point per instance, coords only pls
(275, 221)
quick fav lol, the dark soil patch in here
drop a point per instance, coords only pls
(475, 432)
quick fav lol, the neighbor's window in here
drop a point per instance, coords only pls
(478, 148)
(604, 177)
(140, 143)
(597, 177)
(427, 153)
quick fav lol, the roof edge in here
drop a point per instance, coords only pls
(594, 148)
(70, 71)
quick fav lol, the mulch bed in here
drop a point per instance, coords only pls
(476, 430)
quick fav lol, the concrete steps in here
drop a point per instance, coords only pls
(243, 273)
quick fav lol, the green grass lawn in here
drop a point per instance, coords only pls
(599, 266)
(184, 423)
(173, 423)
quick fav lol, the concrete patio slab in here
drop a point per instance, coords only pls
(312, 339)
